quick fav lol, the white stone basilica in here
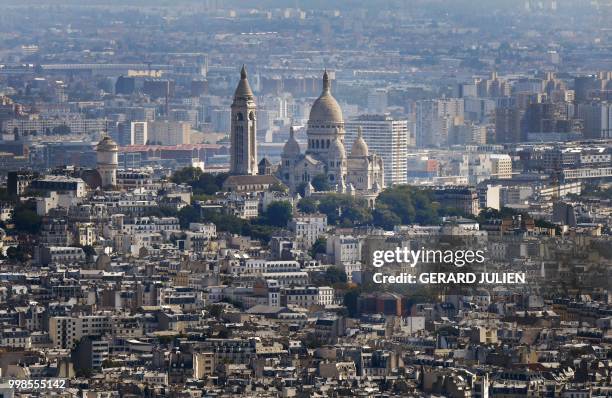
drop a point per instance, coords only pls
(358, 173)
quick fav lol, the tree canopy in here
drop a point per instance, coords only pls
(278, 214)
(320, 183)
(307, 205)
(25, 218)
(319, 247)
(202, 183)
(394, 206)
(408, 204)
(260, 228)
(345, 210)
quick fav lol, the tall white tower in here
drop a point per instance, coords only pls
(107, 161)
(243, 152)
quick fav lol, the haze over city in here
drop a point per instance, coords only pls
(212, 198)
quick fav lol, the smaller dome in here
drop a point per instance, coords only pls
(107, 144)
(291, 148)
(336, 150)
(360, 147)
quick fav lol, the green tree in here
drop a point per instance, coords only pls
(226, 222)
(90, 252)
(109, 363)
(320, 183)
(260, 232)
(351, 302)
(319, 247)
(215, 310)
(186, 175)
(202, 183)
(345, 210)
(494, 214)
(307, 205)
(335, 275)
(18, 253)
(206, 184)
(278, 187)
(187, 215)
(279, 213)
(385, 218)
(25, 219)
(408, 204)
(84, 373)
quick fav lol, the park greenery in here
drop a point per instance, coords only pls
(397, 205)
(201, 183)
(270, 222)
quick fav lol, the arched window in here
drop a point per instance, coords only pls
(239, 116)
(328, 143)
(251, 115)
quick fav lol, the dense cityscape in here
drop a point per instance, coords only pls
(306, 199)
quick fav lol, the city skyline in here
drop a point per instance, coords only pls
(306, 198)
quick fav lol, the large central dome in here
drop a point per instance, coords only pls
(325, 109)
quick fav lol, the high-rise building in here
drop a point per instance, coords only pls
(159, 88)
(434, 118)
(508, 124)
(467, 133)
(493, 87)
(163, 132)
(597, 119)
(377, 101)
(589, 87)
(243, 129)
(549, 121)
(386, 137)
(139, 133)
(132, 133)
(220, 119)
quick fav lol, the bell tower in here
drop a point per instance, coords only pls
(243, 151)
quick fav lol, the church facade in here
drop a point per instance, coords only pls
(356, 173)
